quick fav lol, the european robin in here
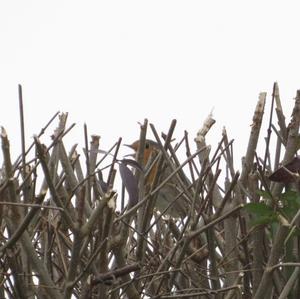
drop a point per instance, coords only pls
(170, 199)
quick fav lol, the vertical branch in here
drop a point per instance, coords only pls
(280, 115)
(204, 158)
(112, 167)
(88, 168)
(25, 188)
(257, 237)
(22, 125)
(13, 222)
(253, 140)
(281, 234)
(269, 128)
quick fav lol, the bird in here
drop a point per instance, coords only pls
(170, 201)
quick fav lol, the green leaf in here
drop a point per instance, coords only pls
(259, 209)
(290, 195)
(291, 203)
(264, 194)
(264, 220)
(263, 214)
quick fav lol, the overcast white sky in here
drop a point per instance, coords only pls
(113, 63)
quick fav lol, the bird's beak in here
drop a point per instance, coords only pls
(129, 145)
(130, 155)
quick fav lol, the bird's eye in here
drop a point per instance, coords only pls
(147, 145)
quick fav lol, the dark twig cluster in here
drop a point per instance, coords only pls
(68, 231)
